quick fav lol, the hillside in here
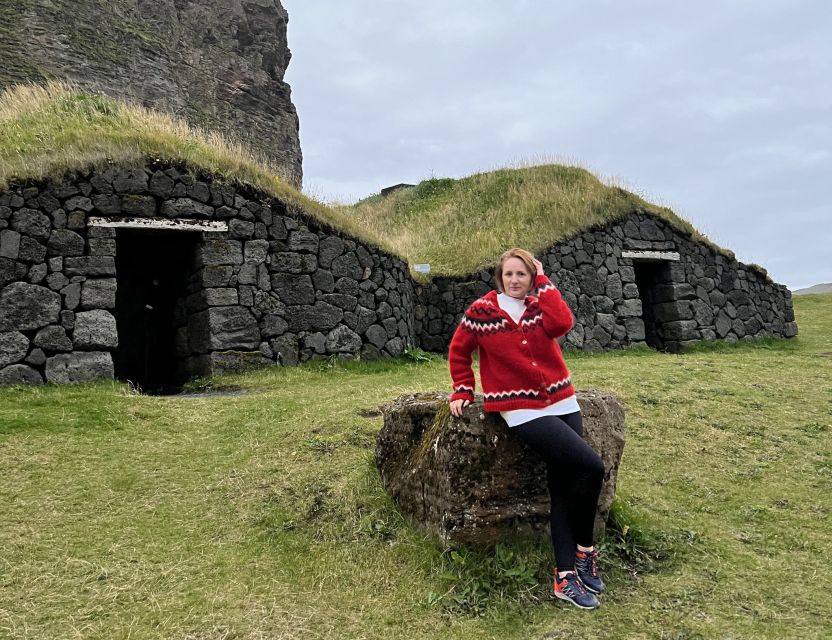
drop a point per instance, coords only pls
(818, 288)
(218, 65)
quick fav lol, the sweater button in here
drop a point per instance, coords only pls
(525, 342)
(534, 364)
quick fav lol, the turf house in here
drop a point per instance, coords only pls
(155, 261)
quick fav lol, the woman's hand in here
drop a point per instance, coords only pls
(538, 266)
(457, 406)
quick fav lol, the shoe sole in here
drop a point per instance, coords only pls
(571, 601)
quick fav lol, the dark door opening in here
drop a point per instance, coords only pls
(649, 274)
(152, 269)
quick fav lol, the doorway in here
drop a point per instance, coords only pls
(152, 269)
(649, 275)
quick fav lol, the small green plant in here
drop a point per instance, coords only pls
(198, 385)
(418, 355)
(473, 580)
(637, 546)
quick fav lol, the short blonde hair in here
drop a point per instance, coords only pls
(525, 256)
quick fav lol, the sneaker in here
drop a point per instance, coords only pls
(586, 564)
(571, 589)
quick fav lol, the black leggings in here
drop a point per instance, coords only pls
(575, 474)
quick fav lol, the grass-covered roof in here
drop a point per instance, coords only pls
(458, 226)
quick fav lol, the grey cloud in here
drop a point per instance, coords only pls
(719, 109)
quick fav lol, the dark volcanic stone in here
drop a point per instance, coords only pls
(293, 289)
(9, 244)
(591, 283)
(31, 250)
(79, 367)
(132, 180)
(138, 205)
(19, 374)
(13, 347)
(161, 185)
(329, 248)
(218, 252)
(99, 293)
(90, 266)
(220, 328)
(341, 339)
(394, 347)
(32, 223)
(273, 325)
(240, 229)
(95, 330)
(27, 306)
(302, 240)
(319, 317)
(285, 349)
(186, 208)
(377, 335)
(63, 242)
(347, 266)
(53, 338)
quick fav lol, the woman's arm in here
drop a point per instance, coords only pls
(557, 316)
(462, 346)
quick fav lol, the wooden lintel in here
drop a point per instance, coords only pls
(671, 256)
(176, 224)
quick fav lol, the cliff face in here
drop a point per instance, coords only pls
(218, 64)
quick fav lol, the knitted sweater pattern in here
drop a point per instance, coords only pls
(521, 364)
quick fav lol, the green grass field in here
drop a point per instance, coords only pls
(260, 515)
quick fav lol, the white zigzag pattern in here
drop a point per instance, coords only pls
(528, 322)
(513, 392)
(558, 384)
(464, 387)
(545, 287)
(473, 326)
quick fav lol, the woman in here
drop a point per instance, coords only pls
(525, 378)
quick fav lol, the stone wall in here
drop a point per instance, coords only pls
(218, 65)
(276, 287)
(620, 301)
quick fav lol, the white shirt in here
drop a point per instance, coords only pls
(515, 308)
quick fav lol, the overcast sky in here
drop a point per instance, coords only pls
(720, 110)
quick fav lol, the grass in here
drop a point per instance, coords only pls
(261, 515)
(488, 213)
(50, 130)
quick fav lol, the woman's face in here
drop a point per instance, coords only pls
(517, 279)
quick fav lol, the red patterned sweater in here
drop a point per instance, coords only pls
(521, 364)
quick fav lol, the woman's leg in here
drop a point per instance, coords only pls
(575, 475)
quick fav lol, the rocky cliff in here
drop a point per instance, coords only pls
(219, 64)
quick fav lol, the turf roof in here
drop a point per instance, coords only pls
(458, 226)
